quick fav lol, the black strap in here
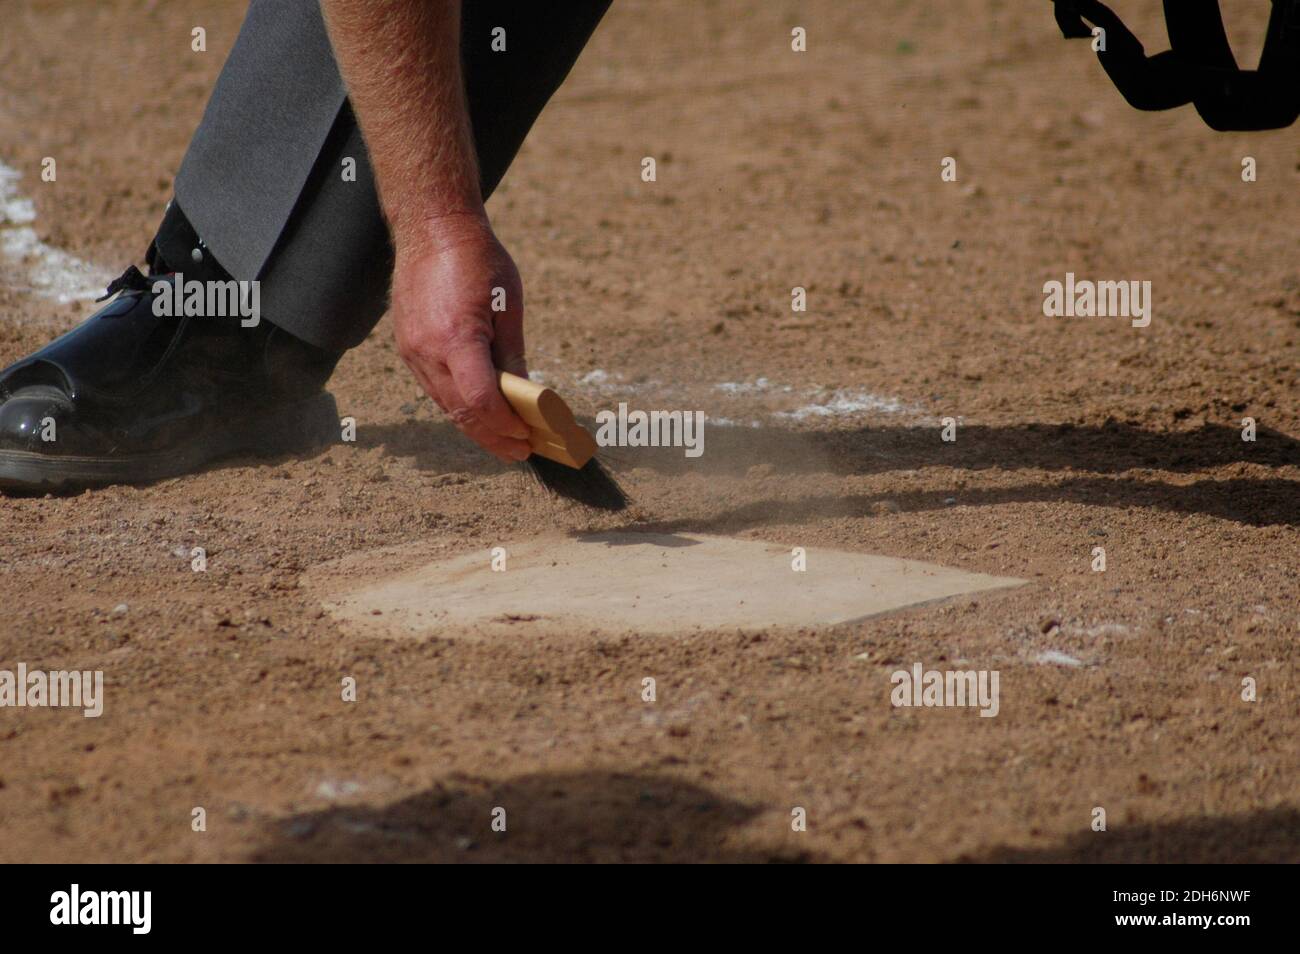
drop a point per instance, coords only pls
(1068, 19)
(1200, 68)
(1197, 34)
(1146, 82)
(1229, 98)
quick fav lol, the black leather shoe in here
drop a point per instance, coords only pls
(129, 396)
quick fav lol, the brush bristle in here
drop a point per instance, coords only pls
(592, 485)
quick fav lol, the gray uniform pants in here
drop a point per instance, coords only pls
(262, 183)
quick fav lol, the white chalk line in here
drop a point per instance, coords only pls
(41, 269)
(809, 402)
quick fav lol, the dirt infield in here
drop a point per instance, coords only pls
(1120, 689)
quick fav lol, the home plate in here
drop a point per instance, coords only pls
(635, 582)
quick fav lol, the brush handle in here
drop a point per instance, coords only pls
(554, 433)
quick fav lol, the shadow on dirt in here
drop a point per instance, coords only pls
(1095, 450)
(1103, 449)
(586, 816)
(1254, 502)
(1265, 837)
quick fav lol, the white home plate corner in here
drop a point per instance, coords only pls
(610, 583)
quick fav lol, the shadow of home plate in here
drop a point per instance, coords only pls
(608, 583)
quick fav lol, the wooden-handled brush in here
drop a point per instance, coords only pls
(557, 439)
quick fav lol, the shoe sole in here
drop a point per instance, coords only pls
(289, 428)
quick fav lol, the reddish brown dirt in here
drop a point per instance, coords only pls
(776, 169)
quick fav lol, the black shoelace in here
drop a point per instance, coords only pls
(131, 280)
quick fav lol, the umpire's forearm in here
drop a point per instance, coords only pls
(401, 62)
